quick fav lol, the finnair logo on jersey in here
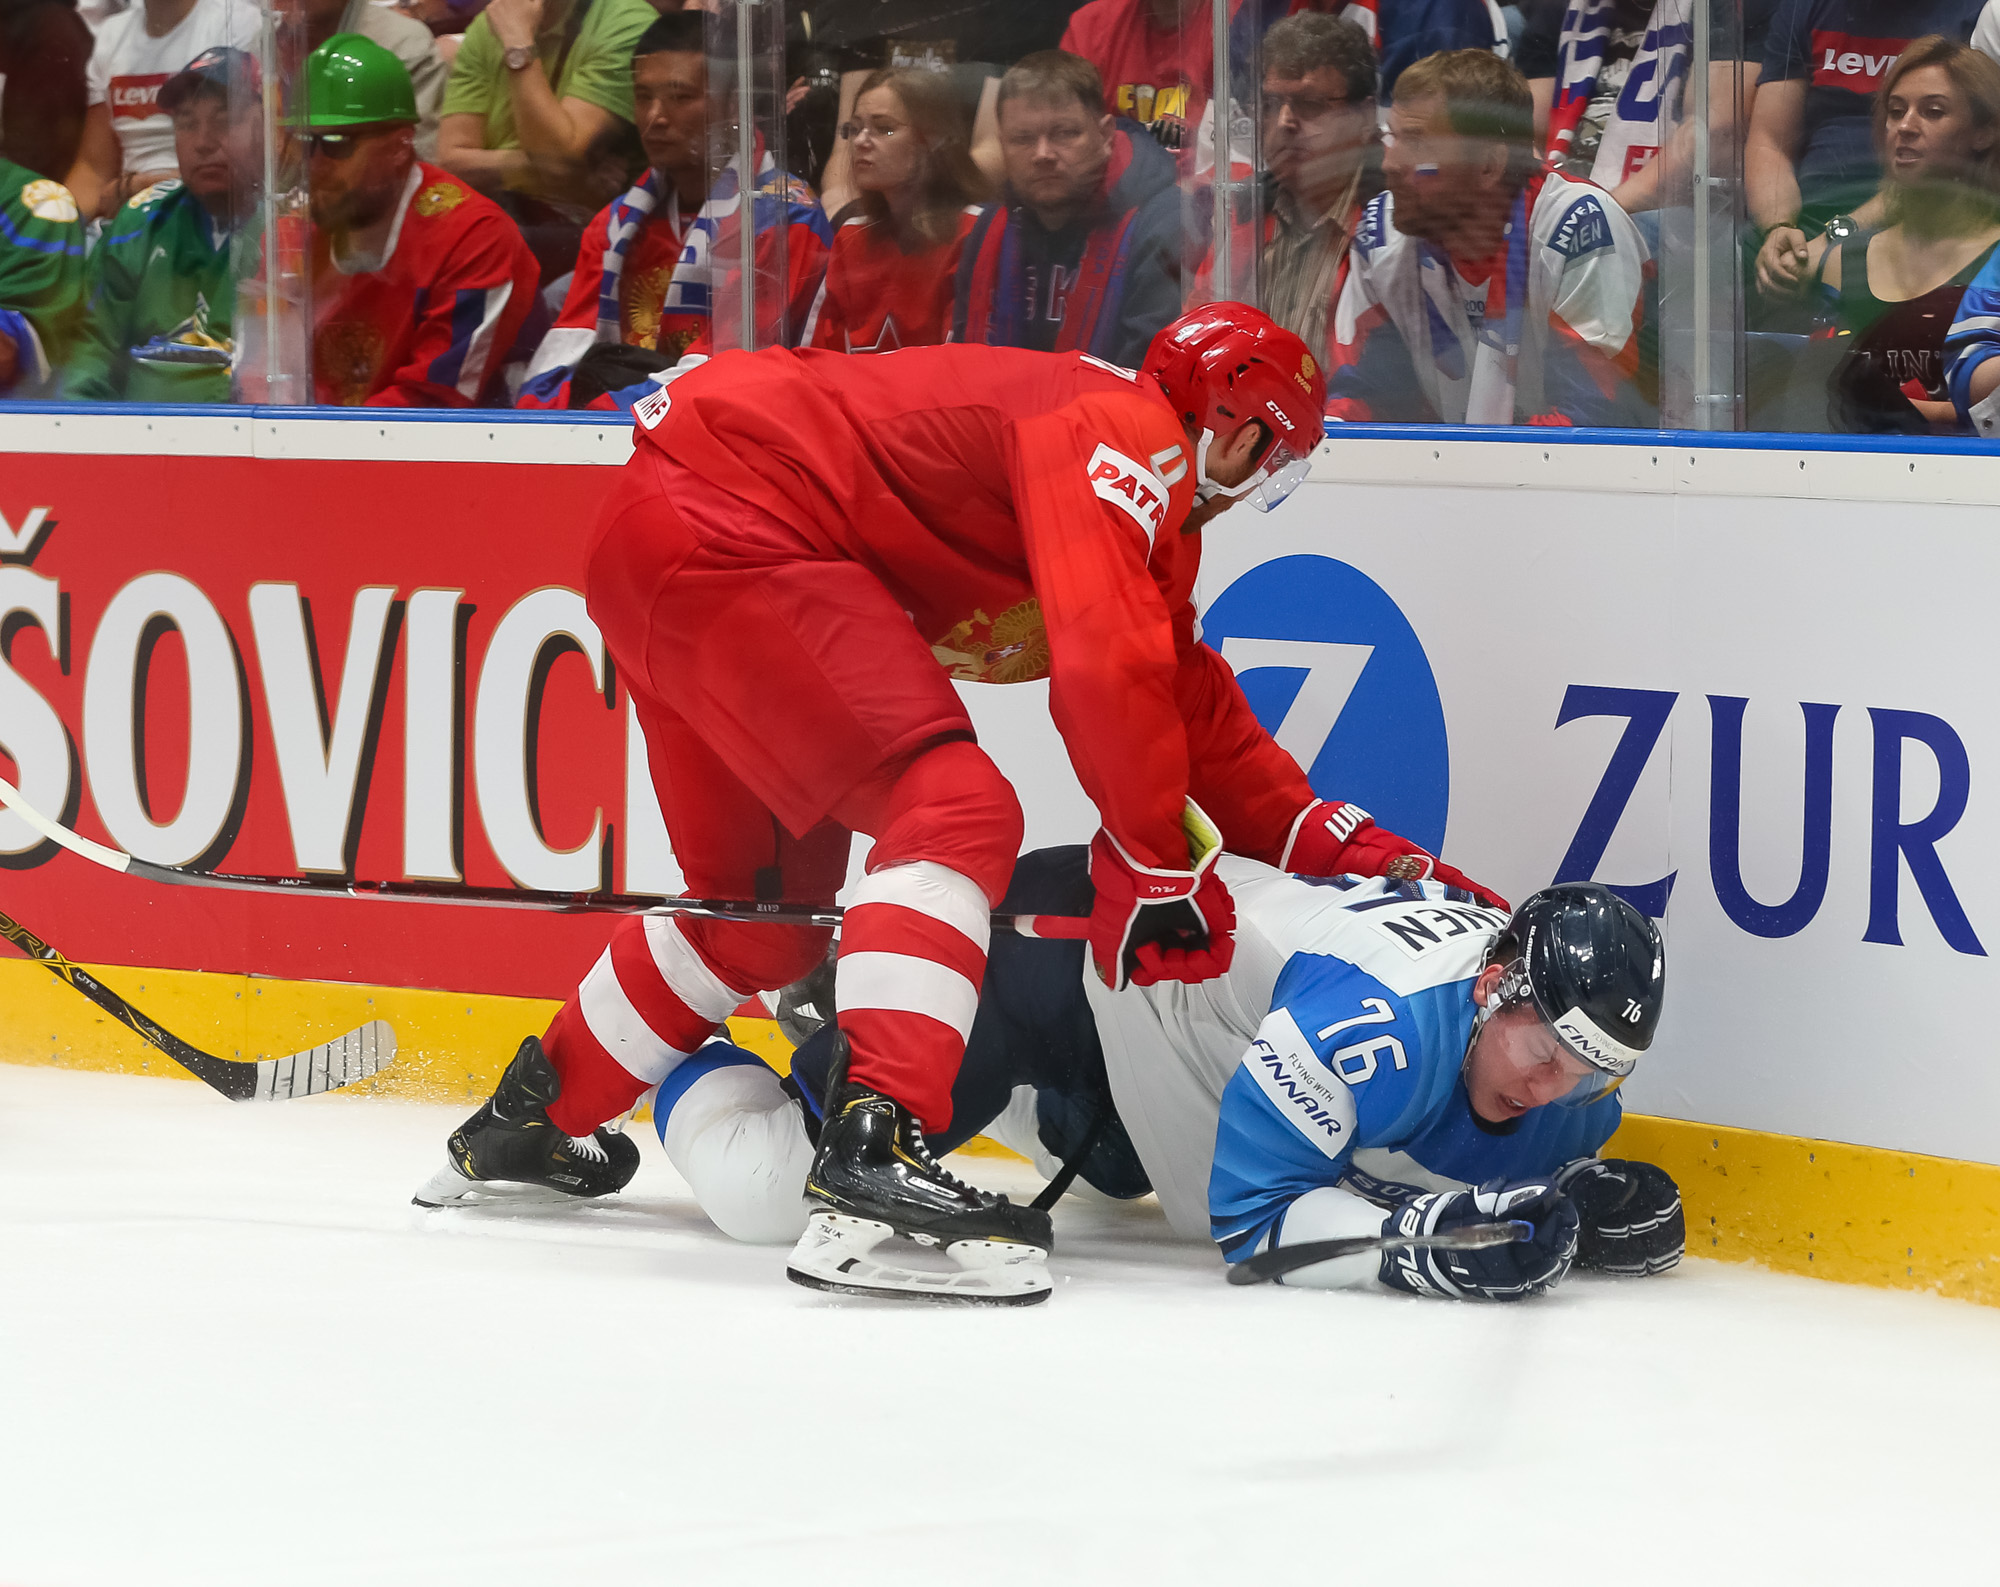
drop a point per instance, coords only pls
(1282, 1063)
(1133, 488)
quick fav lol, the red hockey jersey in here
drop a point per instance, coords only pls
(876, 298)
(1026, 509)
(433, 323)
(1148, 71)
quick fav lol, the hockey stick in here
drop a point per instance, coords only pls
(340, 1062)
(1268, 1265)
(1066, 926)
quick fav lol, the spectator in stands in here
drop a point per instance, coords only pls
(1321, 154)
(1810, 153)
(889, 281)
(41, 279)
(1083, 252)
(421, 287)
(1579, 60)
(44, 57)
(1891, 298)
(1483, 288)
(644, 282)
(407, 39)
(1155, 59)
(128, 140)
(538, 113)
(1405, 31)
(162, 284)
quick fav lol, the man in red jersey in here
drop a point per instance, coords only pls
(420, 286)
(654, 262)
(806, 547)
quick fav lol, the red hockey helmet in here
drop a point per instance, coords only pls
(1224, 363)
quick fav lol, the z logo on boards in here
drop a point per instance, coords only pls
(1335, 672)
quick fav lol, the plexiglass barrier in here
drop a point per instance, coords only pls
(1677, 214)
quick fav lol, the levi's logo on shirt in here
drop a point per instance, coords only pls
(1132, 488)
(1852, 60)
(136, 98)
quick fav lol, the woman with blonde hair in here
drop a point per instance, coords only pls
(1892, 295)
(889, 281)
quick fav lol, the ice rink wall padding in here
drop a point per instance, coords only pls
(1746, 679)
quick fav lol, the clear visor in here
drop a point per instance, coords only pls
(1283, 471)
(1589, 1088)
(1278, 478)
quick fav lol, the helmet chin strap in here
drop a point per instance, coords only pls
(1207, 489)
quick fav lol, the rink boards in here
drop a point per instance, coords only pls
(1746, 683)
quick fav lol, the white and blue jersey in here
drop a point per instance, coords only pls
(1975, 337)
(1353, 1078)
(1329, 1054)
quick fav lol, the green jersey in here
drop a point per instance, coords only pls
(161, 301)
(41, 274)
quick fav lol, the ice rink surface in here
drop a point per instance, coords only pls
(232, 1353)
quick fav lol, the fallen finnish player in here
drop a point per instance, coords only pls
(1382, 1057)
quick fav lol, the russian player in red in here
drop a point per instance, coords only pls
(803, 552)
(421, 287)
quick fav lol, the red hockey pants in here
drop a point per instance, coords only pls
(787, 701)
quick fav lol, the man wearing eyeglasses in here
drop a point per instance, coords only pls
(421, 286)
(1321, 168)
(1484, 288)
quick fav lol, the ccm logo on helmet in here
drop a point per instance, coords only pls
(1279, 414)
(1133, 488)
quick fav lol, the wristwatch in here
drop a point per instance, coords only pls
(520, 57)
(1840, 228)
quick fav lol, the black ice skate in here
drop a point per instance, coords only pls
(509, 1151)
(874, 1177)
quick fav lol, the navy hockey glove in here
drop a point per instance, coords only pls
(1629, 1215)
(1500, 1272)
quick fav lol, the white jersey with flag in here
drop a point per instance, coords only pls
(1550, 334)
(1649, 99)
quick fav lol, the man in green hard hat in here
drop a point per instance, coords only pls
(421, 287)
(162, 287)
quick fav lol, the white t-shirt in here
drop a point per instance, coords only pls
(129, 67)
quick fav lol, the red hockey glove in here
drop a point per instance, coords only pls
(1333, 838)
(1149, 925)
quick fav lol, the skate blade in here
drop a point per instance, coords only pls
(449, 1188)
(836, 1255)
